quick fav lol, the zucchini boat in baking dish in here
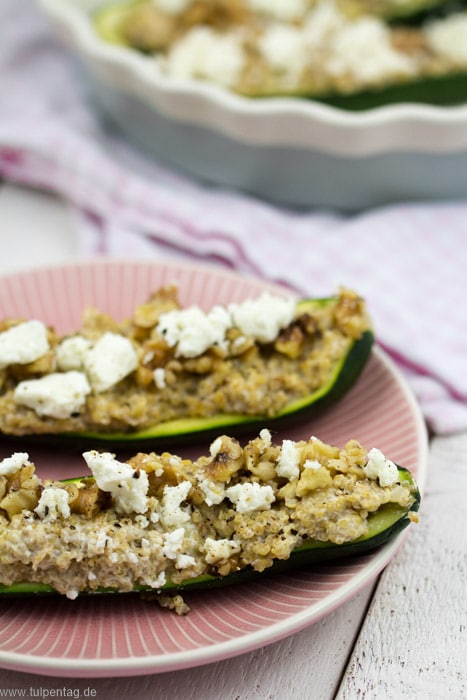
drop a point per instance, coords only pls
(355, 54)
(164, 524)
(170, 372)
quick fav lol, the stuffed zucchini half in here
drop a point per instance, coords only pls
(171, 373)
(163, 524)
(315, 50)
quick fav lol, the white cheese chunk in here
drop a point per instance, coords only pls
(264, 317)
(448, 38)
(216, 550)
(159, 377)
(53, 504)
(213, 491)
(312, 464)
(23, 343)
(12, 464)
(57, 395)
(363, 50)
(173, 549)
(380, 468)
(192, 330)
(207, 54)
(111, 359)
(127, 486)
(283, 47)
(157, 582)
(249, 497)
(288, 465)
(172, 514)
(71, 352)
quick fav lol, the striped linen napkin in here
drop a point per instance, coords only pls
(409, 261)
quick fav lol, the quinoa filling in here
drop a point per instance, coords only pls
(252, 358)
(157, 520)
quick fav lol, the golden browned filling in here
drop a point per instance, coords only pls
(165, 363)
(256, 47)
(159, 519)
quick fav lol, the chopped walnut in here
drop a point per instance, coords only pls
(290, 341)
(20, 491)
(227, 459)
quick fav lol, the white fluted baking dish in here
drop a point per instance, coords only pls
(288, 150)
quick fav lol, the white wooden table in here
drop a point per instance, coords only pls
(403, 637)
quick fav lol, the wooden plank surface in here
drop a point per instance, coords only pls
(413, 643)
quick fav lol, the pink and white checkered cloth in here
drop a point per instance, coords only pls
(409, 261)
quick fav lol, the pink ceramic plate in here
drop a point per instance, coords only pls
(121, 635)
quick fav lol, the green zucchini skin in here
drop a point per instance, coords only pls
(189, 430)
(384, 525)
(446, 90)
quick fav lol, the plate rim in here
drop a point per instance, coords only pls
(131, 666)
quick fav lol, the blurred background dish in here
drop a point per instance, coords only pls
(327, 152)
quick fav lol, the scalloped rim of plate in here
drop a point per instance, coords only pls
(377, 561)
(270, 121)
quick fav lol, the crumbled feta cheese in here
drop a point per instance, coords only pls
(12, 464)
(157, 582)
(53, 504)
(142, 521)
(72, 594)
(283, 48)
(216, 550)
(264, 317)
(171, 513)
(266, 437)
(58, 395)
(321, 23)
(381, 468)
(249, 497)
(285, 10)
(173, 544)
(99, 542)
(362, 49)
(213, 491)
(159, 377)
(71, 352)
(111, 359)
(193, 331)
(288, 465)
(312, 464)
(23, 343)
(447, 37)
(128, 487)
(207, 54)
